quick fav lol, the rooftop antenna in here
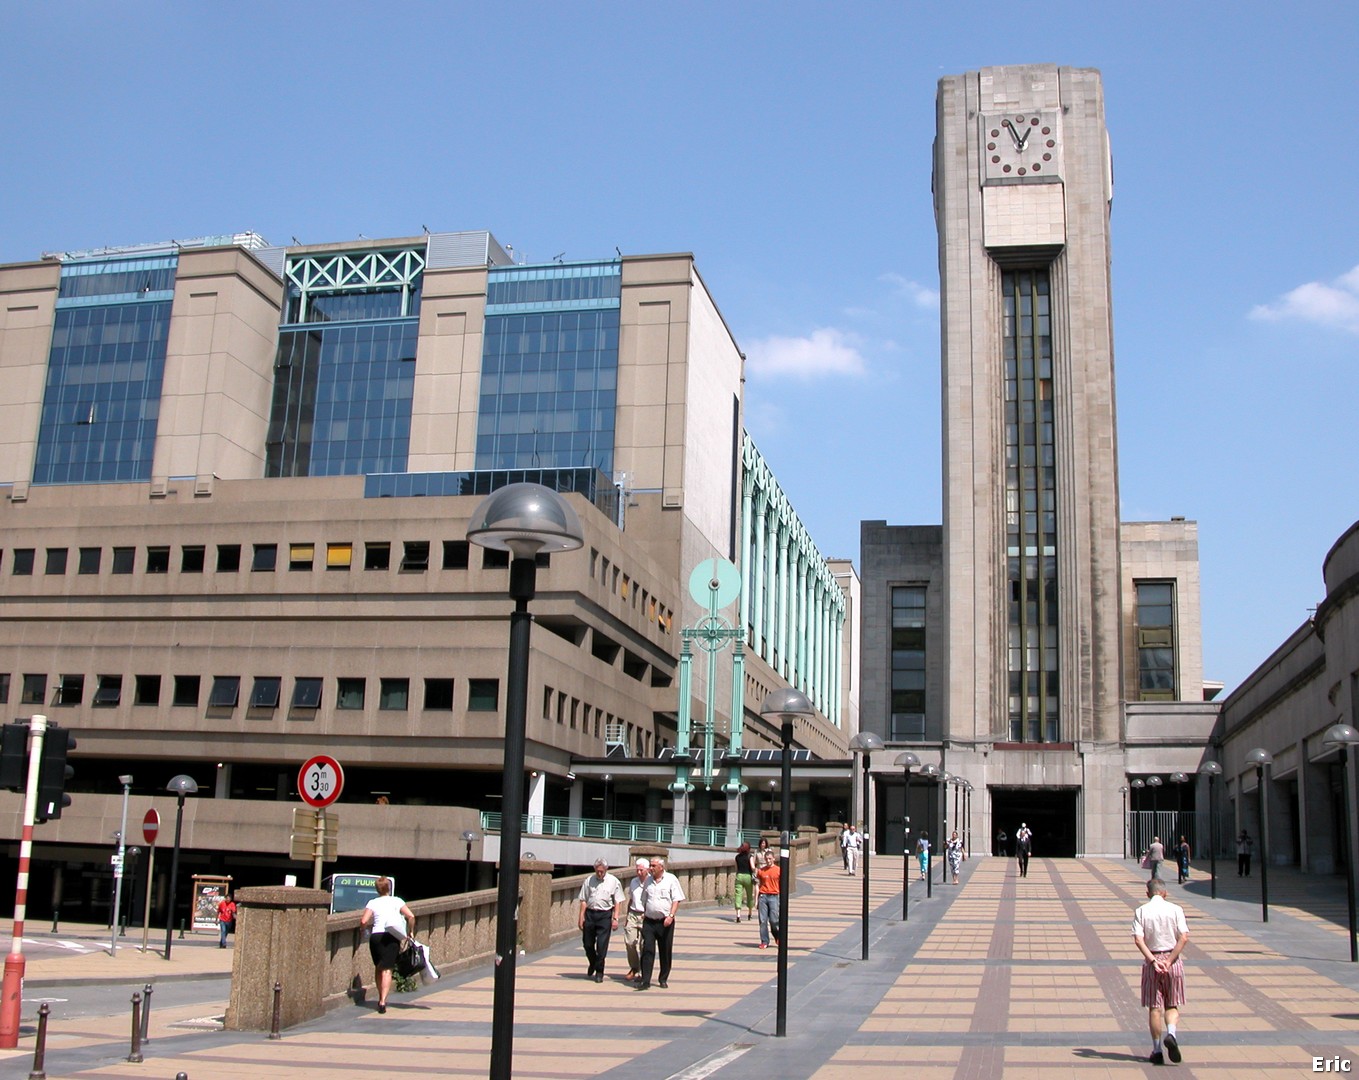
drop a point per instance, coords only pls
(558, 257)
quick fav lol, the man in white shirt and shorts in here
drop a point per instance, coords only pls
(1160, 934)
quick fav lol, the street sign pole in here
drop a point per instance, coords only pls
(318, 848)
(11, 995)
(150, 830)
(319, 783)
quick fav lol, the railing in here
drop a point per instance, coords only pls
(630, 832)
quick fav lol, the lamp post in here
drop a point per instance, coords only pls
(524, 519)
(1342, 737)
(1123, 793)
(604, 808)
(945, 779)
(931, 771)
(126, 781)
(468, 836)
(863, 744)
(1154, 782)
(180, 787)
(773, 785)
(1179, 779)
(1139, 785)
(907, 761)
(1212, 770)
(967, 819)
(786, 705)
(1262, 760)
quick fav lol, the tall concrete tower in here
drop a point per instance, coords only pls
(1022, 188)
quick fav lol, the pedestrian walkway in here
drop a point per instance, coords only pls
(997, 976)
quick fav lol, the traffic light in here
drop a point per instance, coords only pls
(53, 772)
(14, 757)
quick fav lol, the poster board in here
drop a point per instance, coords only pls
(208, 891)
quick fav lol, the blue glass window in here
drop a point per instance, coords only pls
(102, 399)
(342, 399)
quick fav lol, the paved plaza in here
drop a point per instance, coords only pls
(997, 976)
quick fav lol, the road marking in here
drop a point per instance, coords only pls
(713, 1062)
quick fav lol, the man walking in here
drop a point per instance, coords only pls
(601, 906)
(632, 931)
(661, 899)
(1023, 848)
(1156, 855)
(1160, 934)
(854, 843)
(1243, 845)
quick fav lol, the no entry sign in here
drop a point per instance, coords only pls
(150, 827)
(320, 781)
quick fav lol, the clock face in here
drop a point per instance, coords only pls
(1021, 147)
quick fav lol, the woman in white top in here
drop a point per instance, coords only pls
(386, 913)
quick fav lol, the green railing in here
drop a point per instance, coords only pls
(630, 832)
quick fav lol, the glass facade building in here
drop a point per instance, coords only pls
(101, 401)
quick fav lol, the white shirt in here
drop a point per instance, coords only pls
(1159, 923)
(636, 887)
(659, 897)
(387, 914)
(854, 840)
(601, 894)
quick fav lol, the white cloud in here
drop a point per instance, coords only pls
(913, 291)
(1329, 304)
(824, 352)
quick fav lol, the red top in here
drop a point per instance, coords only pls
(768, 877)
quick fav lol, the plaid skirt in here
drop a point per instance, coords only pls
(1163, 989)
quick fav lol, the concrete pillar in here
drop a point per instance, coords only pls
(535, 904)
(577, 799)
(280, 938)
(537, 794)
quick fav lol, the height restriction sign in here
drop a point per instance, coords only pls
(320, 781)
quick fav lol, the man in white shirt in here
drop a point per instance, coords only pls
(854, 843)
(660, 903)
(1160, 934)
(601, 906)
(632, 929)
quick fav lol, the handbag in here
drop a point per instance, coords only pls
(410, 961)
(1146, 862)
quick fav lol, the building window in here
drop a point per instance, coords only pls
(4, 689)
(483, 695)
(70, 690)
(1156, 640)
(439, 695)
(109, 691)
(158, 560)
(349, 694)
(146, 690)
(307, 693)
(35, 690)
(124, 560)
(377, 556)
(494, 559)
(339, 556)
(265, 559)
(908, 662)
(455, 554)
(23, 562)
(301, 556)
(1030, 508)
(228, 558)
(192, 559)
(187, 689)
(226, 691)
(89, 560)
(265, 692)
(394, 695)
(56, 561)
(416, 556)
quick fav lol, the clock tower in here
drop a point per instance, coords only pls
(1022, 188)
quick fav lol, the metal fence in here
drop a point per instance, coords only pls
(632, 832)
(1170, 825)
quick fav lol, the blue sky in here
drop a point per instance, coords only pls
(788, 147)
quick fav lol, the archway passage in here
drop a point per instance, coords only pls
(1050, 814)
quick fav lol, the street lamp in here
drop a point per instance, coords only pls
(1179, 779)
(1262, 760)
(1139, 785)
(1123, 792)
(524, 519)
(967, 819)
(932, 772)
(468, 836)
(945, 779)
(1154, 782)
(1342, 736)
(179, 787)
(864, 744)
(786, 706)
(608, 778)
(907, 761)
(126, 781)
(1212, 770)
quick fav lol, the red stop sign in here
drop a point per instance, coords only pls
(151, 826)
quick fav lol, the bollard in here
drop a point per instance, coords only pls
(136, 1055)
(181, 929)
(56, 914)
(146, 1011)
(40, 1044)
(181, 1076)
(278, 1011)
